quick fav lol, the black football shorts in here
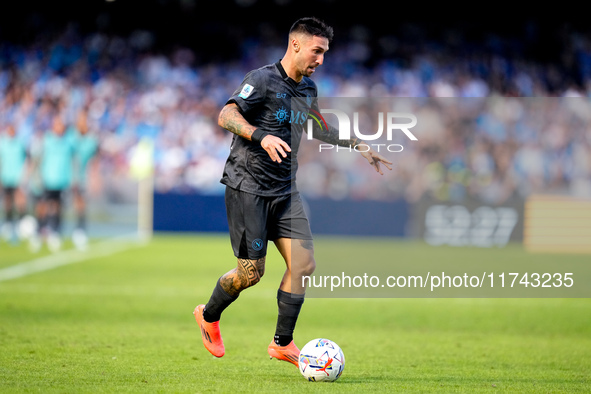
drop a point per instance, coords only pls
(254, 220)
(9, 191)
(52, 195)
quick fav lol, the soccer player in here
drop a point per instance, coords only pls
(260, 202)
(56, 167)
(86, 147)
(13, 159)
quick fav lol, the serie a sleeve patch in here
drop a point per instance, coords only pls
(246, 91)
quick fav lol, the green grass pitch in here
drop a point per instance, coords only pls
(124, 323)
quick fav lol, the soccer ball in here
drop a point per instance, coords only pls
(321, 360)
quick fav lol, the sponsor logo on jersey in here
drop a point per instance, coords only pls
(282, 115)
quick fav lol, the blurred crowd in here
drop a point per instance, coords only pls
(128, 90)
(491, 150)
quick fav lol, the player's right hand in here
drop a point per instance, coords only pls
(275, 147)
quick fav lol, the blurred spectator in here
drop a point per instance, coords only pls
(13, 161)
(85, 149)
(56, 165)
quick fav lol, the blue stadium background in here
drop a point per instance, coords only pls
(162, 69)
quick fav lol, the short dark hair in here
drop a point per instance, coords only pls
(312, 26)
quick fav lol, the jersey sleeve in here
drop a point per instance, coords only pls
(250, 93)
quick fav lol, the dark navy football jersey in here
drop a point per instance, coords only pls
(264, 98)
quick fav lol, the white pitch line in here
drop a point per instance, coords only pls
(101, 249)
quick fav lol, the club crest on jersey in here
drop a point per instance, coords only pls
(246, 91)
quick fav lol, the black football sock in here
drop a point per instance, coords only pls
(52, 222)
(9, 216)
(81, 224)
(218, 301)
(289, 307)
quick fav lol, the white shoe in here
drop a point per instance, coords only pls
(7, 232)
(54, 242)
(80, 239)
(27, 227)
(34, 243)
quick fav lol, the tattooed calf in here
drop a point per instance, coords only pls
(246, 274)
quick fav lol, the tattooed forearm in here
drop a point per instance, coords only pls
(331, 136)
(232, 120)
(246, 274)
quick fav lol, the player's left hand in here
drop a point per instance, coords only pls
(275, 147)
(375, 159)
